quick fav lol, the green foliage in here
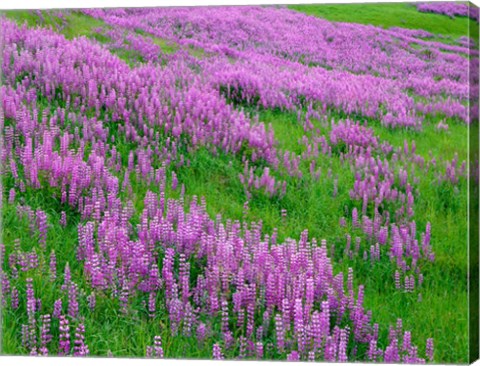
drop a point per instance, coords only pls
(388, 15)
(77, 24)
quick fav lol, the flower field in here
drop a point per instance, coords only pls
(255, 182)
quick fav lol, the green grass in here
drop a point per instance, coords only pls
(78, 24)
(388, 15)
(30, 18)
(81, 25)
(166, 46)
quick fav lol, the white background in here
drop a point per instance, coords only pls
(45, 4)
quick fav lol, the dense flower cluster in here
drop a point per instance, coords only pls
(270, 67)
(451, 9)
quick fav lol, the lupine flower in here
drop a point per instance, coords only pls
(242, 353)
(91, 301)
(53, 266)
(293, 356)
(42, 228)
(201, 332)
(63, 219)
(157, 347)
(280, 332)
(174, 181)
(45, 336)
(57, 308)
(14, 298)
(217, 352)
(67, 278)
(64, 344)
(259, 350)
(124, 299)
(151, 304)
(11, 196)
(80, 349)
(397, 280)
(73, 300)
(31, 302)
(429, 351)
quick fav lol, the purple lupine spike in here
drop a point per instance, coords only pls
(250, 319)
(259, 333)
(407, 284)
(53, 266)
(392, 352)
(412, 283)
(38, 304)
(342, 346)
(217, 352)
(14, 298)
(355, 218)
(299, 325)
(259, 350)
(397, 280)
(225, 317)
(92, 300)
(188, 320)
(11, 196)
(73, 300)
(67, 278)
(31, 302)
(151, 304)
(372, 350)
(293, 356)
(429, 349)
(201, 332)
(330, 350)
(149, 352)
(157, 347)
(286, 314)
(64, 337)
(242, 353)
(280, 332)
(45, 336)
(174, 181)
(42, 228)
(57, 309)
(80, 348)
(63, 219)
(406, 345)
(124, 294)
(25, 336)
(250, 348)
(23, 262)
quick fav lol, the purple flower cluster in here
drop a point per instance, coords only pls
(450, 8)
(380, 71)
(155, 351)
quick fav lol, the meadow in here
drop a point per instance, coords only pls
(276, 183)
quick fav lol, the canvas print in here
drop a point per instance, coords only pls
(281, 183)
